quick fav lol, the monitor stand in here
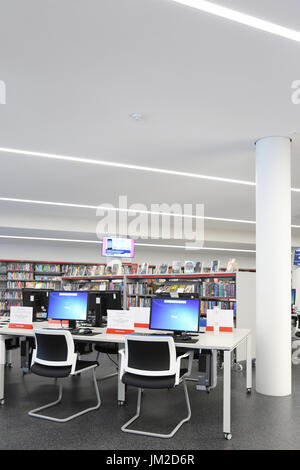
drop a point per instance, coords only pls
(72, 324)
(181, 335)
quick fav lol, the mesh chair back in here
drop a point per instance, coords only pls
(54, 348)
(150, 355)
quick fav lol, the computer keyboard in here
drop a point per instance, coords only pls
(187, 339)
(76, 331)
(83, 332)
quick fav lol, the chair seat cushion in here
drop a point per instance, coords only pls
(50, 371)
(145, 381)
(107, 348)
(60, 371)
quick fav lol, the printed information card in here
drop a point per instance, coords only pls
(21, 317)
(120, 322)
(219, 320)
(141, 316)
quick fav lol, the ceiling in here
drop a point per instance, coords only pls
(207, 88)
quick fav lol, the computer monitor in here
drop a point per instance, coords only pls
(177, 315)
(101, 301)
(297, 257)
(70, 306)
(38, 300)
(293, 298)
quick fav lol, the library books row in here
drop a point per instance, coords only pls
(14, 295)
(20, 276)
(33, 267)
(205, 288)
(5, 305)
(117, 269)
(94, 286)
(24, 267)
(19, 285)
(189, 267)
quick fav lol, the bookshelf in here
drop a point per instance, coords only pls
(234, 291)
(16, 275)
(228, 290)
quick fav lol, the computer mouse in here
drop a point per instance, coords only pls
(84, 331)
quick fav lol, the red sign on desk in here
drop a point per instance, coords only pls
(21, 317)
(120, 322)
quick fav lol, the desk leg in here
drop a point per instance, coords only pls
(2, 367)
(249, 364)
(121, 386)
(227, 395)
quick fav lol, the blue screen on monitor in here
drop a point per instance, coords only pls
(293, 301)
(67, 305)
(175, 314)
(297, 258)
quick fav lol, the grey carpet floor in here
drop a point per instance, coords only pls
(258, 422)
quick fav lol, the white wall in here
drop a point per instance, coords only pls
(90, 253)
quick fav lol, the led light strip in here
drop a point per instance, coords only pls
(129, 211)
(150, 245)
(122, 165)
(91, 161)
(118, 209)
(242, 18)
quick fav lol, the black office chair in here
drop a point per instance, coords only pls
(151, 362)
(109, 349)
(54, 357)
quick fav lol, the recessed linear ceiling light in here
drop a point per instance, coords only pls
(242, 18)
(150, 245)
(129, 211)
(119, 209)
(91, 161)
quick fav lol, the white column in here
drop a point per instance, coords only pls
(273, 266)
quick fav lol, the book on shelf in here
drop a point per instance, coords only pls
(126, 269)
(116, 269)
(176, 267)
(134, 268)
(215, 266)
(189, 267)
(144, 268)
(232, 266)
(100, 270)
(163, 269)
(91, 270)
(198, 267)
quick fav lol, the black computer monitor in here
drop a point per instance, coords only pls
(38, 300)
(180, 316)
(101, 301)
(293, 298)
(68, 305)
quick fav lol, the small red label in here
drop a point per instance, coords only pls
(222, 328)
(142, 325)
(115, 331)
(20, 325)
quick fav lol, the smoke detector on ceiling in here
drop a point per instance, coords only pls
(136, 116)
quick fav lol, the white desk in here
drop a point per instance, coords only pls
(225, 342)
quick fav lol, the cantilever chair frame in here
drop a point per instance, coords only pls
(69, 361)
(172, 370)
